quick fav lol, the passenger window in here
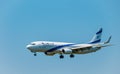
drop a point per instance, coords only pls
(47, 43)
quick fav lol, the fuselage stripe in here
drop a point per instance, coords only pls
(58, 47)
(99, 31)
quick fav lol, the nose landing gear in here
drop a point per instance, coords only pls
(35, 54)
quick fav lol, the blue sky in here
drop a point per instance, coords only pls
(24, 21)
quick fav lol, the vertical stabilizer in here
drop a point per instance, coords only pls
(97, 37)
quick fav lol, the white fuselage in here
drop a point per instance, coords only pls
(52, 48)
(57, 47)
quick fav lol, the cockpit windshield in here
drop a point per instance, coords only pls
(33, 44)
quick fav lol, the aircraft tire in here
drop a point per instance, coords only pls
(72, 56)
(35, 54)
(61, 56)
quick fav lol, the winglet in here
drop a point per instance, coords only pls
(108, 41)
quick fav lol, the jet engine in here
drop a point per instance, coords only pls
(67, 51)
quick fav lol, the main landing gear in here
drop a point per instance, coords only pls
(71, 56)
(61, 56)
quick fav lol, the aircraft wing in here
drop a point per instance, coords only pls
(82, 47)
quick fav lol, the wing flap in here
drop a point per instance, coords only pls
(82, 47)
(78, 48)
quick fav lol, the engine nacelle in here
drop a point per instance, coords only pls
(67, 51)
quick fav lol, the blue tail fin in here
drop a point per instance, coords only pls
(97, 37)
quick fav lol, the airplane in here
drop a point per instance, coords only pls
(50, 48)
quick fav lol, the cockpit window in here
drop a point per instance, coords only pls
(32, 43)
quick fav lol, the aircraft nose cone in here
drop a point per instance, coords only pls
(28, 46)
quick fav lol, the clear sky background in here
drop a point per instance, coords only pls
(24, 21)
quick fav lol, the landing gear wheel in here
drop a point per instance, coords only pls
(72, 56)
(35, 54)
(61, 56)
